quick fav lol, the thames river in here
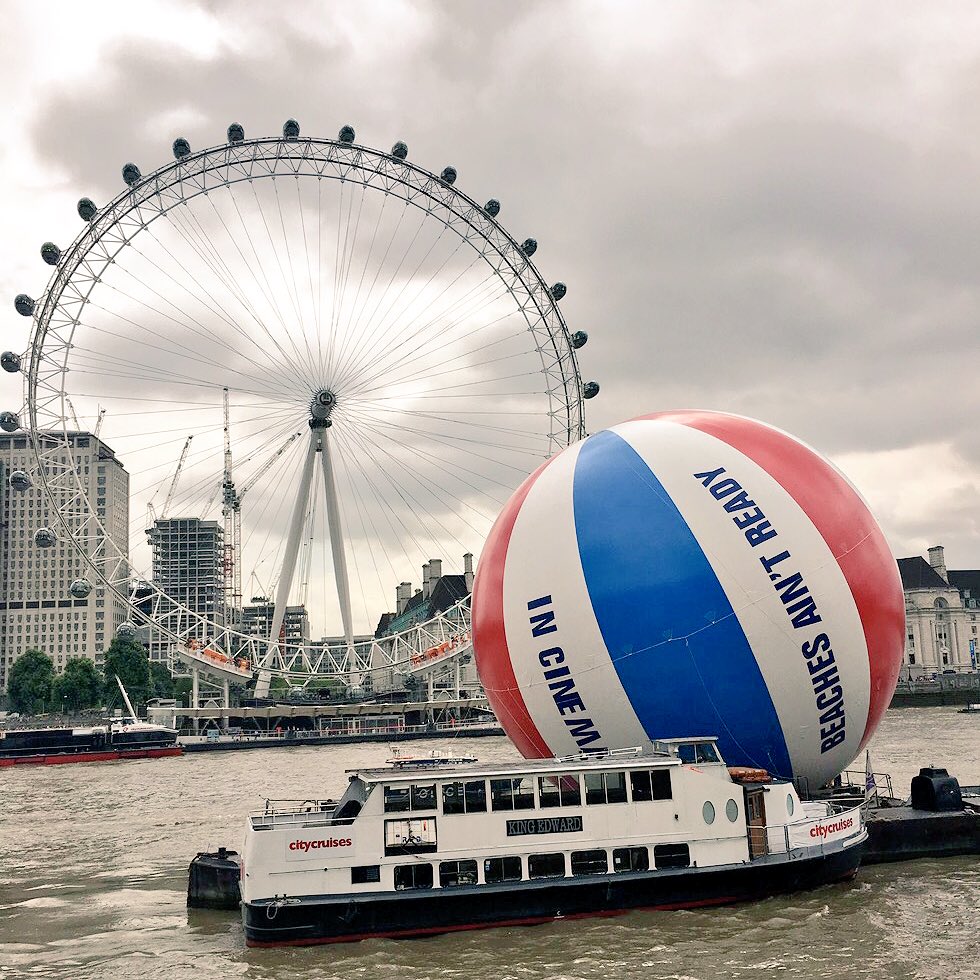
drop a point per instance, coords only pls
(93, 875)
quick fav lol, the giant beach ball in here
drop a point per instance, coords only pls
(690, 574)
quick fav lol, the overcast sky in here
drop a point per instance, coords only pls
(769, 209)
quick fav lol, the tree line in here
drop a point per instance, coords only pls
(34, 686)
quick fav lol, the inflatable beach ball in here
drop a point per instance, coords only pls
(690, 574)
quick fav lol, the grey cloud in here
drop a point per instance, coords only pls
(792, 239)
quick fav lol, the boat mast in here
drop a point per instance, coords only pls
(129, 704)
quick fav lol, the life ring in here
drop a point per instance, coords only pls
(745, 774)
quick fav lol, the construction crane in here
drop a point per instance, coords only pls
(173, 482)
(98, 422)
(151, 513)
(266, 465)
(231, 513)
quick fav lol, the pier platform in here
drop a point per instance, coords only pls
(241, 743)
(903, 834)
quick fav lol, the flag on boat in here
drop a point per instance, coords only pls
(869, 777)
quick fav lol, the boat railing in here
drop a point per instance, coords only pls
(298, 813)
(805, 838)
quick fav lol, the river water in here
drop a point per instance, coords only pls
(93, 875)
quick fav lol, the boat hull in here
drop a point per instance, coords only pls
(104, 755)
(325, 919)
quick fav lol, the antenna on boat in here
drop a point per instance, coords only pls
(129, 705)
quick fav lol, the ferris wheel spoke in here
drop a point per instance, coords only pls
(384, 323)
(94, 357)
(373, 412)
(258, 274)
(393, 357)
(422, 514)
(210, 254)
(384, 485)
(357, 311)
(465, 352)
(448, 466)
(378, 321)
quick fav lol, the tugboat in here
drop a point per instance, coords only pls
(127, 738)
(414, 851)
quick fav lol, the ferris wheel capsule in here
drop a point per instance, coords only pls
(290, 129)
(50, 253)
(558, 290)
(448, 175)
(400, 150)
(131, 174)
(346, 134)
(127, 631)
(87, 209)
(529, 246)
(181, 148)
(579, 339)
(590, 389)
(492, 207)
(80, 588)
(10, 361)
(9, 421)
(23, 304)
(44, 537)
(236, 133)
(20, 481)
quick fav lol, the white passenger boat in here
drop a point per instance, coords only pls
(414, 851)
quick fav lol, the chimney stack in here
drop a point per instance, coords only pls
(435, 572)
(403, 593)
(468, 571)
(426, 583)
(937, 559)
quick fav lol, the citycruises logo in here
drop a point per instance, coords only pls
(826, 829)
(315, 845)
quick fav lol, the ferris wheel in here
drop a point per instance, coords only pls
(324, 351)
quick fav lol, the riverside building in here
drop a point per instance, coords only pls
(37, 610)
(942, 615)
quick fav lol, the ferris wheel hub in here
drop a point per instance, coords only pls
(321, 406)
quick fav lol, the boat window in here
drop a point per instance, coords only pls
(469, 797)
(502, 869)
(546, 865)
(365, 874)
(476, 796)
(631, 859)
(672, 855)
(650, 785)
(397, 799)
(453, 873)
(512, 794)
(413, 876)
(562, 790)
(731, 810)
(411, 836)
(691, 753)
(590, 862)
(708, 812)
(424, 797)
(605, 787)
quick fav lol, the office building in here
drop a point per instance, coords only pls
(37, 610)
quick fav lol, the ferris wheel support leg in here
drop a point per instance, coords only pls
(195, 693)
(289, 561)
(337, 542)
